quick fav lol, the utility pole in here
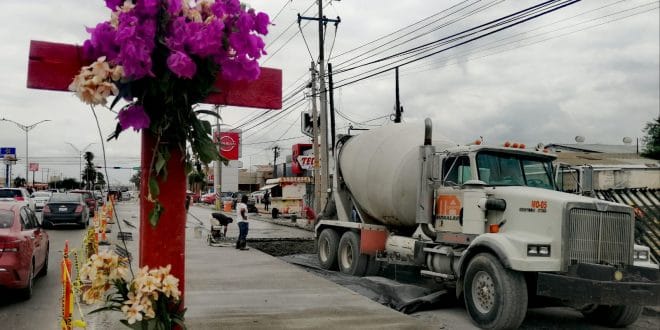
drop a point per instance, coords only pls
(323, 102)
(398, 109)
(332, 109)
(217, 169)
(26, 128)
(276, 153)
(315, 144)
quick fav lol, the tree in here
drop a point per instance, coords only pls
(89, 173)
(100, 179)
(135, 179)
(652, 139)
(20, 182)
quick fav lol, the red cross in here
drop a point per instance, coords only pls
(52, 66)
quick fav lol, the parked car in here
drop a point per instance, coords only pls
(89, 198)
(208, 198)
(194, 196)
(40, 198)
(65, 208)
(16, 195)
(23, 248)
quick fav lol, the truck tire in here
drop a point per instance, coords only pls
(351, 261)
(613, 316)
(327, 249)
(495, 297)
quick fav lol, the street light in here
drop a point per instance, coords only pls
(80, 152)
(26, 128)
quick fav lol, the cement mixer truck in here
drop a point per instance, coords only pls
(487, 220)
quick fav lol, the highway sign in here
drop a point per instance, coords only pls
(7, 151)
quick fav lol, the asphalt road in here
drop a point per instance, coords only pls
(42, 311)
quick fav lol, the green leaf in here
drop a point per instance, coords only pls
(153, 187)
(160, 162)
(154, 215)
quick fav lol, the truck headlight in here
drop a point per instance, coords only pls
(536, 250)
(641, 255)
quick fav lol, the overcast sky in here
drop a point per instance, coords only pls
(589, 69)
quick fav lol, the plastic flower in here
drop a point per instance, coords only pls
(134, 116)
(170, 287)
(181, 64)
(132, 312)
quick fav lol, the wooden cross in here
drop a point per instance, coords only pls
(52, 66)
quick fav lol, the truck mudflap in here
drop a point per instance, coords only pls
(601, 284)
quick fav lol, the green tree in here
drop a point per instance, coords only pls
(100, 179)
(135, 179)
(652, 139)
(20, 182)
(89, 173)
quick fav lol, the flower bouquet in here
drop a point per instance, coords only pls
(161, 57)
(151, 300)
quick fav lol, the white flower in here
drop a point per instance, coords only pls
(170, 287)
(132, 312)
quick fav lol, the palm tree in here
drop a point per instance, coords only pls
(89, 176)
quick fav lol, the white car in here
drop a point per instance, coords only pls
(40, 198)
(18, 195)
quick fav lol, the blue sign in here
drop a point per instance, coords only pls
(7, 151)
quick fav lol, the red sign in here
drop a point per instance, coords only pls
(230, 144)
(34, 167)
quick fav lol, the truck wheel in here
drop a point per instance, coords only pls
(327, 249)
(613, 316)
(495, 297)
(351, 261)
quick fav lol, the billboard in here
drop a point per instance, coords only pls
(230, 144)
(34, 167)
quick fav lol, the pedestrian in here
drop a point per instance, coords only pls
(241, 213)
(266, 199)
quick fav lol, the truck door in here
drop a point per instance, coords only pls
(449, 206)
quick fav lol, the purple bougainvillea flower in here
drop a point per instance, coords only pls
(181, 64)
(113, 4)
(174, 6)
(101, 42)
(134, 116)
(207, 40)
(261, 22)
(147, 8)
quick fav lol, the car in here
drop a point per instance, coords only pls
(208, 198)
(16, 195)
(24, 248)
(194, 196)
(40, 198)
(65, 208)
(89, 198)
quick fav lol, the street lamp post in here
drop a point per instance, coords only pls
(26, 128)
(80, 153)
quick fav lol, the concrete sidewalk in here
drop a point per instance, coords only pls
(232, 289)
(229, 288)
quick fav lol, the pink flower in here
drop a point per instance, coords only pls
(181, 64)
(113, 4)
(261, 22)
(134, 116)
(174, 6)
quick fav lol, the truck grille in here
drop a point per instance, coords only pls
(599, 237)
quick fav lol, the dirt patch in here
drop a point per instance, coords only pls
(284, 247)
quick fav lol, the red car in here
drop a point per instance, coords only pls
(88, 197)
(23, 248)
(208, 198)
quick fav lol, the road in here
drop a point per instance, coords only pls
(43, 310)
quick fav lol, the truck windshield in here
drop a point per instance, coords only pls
(504, 169)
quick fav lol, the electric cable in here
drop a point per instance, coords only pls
(383, 68)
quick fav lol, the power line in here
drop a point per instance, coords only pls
(286, 3)
(385, 68)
